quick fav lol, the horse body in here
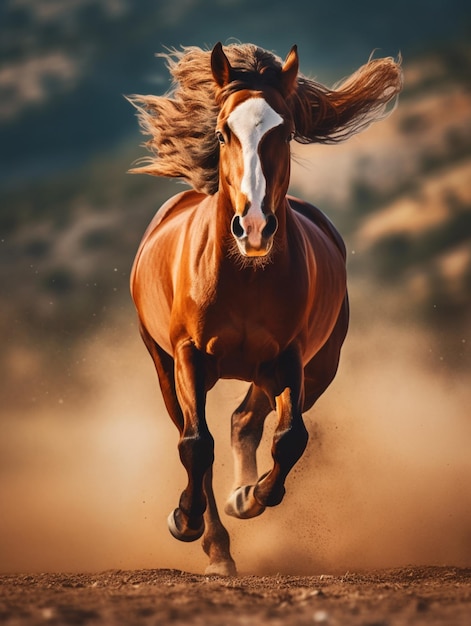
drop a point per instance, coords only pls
(188, 286)
(235, 279)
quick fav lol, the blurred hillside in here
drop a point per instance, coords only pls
(64, 65)
(71, 219)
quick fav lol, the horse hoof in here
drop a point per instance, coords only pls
(243, 504)
(180, 532)
(223, 568)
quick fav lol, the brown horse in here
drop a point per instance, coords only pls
(235, 279)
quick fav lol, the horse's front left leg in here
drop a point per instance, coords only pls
(290, 437)
(246, 432)
(286, 383)
(196, 445)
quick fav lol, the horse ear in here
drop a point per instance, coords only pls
(289, 72)
(220, 66)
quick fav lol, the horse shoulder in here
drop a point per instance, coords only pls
(179, 202)
(172, 207)
(171, 278)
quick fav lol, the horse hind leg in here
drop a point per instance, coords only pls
(321, 370)
(165, 366)
(246, 432)
(216, 542)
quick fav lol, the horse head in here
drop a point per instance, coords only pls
(254, 129)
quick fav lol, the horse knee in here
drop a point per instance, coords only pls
(197, 452)
(289, 444)
(197, 455)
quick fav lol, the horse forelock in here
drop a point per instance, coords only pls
(181, 123)
(253, 71)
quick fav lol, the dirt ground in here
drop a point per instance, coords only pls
(397, 597)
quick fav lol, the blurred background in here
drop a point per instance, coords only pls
(88, 461)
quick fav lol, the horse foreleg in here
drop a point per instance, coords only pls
(216, 541)
(289, 442)
(246, 432)
(196, 445)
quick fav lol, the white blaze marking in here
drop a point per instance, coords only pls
(250, 122)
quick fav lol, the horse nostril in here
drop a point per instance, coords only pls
(271, 226)
(236, 227)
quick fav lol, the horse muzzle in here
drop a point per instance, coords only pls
(254, 237)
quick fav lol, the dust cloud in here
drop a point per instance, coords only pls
(87, 485)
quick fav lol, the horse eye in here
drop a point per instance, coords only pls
(220, 137)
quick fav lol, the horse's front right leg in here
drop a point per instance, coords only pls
(196, 445)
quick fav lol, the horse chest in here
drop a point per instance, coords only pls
(252, 343)
(242, 332)
(240, 354)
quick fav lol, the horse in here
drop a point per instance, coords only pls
(236, 279)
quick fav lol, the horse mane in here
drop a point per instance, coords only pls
(181, 123)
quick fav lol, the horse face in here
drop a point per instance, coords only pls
(254, 133)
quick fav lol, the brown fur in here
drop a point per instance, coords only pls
(181, 124)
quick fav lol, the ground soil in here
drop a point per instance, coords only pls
(397, 597)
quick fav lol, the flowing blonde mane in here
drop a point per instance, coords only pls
(181, 124)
